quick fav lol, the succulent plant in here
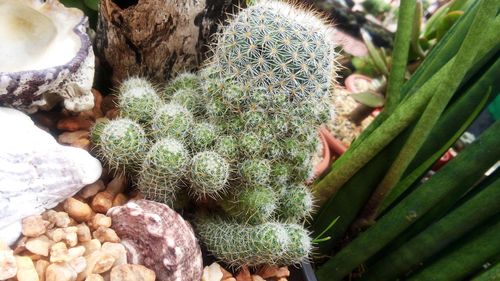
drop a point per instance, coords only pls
(255, 204)
(138, 100)
(121, 145)
(190, 99)
(295, 203)
(172, 120)
(209, 174)
(227, 146)
(252, 245)
(202, 136)
(278, 47)
(184, 81)
(163, 166)
(255, 172)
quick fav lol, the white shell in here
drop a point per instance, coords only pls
(36, 173)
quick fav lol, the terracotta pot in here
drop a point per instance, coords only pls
(322, 166)
(336, 147)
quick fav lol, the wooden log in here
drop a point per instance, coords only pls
(156, 38)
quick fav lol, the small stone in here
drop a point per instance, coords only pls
(60, 219)
(257, 278)
(83, 233)
(78, 210)
(66, 234)
(76, 252)
(100, 220)
(282, 279)
(39, 245)
(244, 274)
(120, 200)
(94, 277)
(229, 279)
(105, 234)
(117, 250)
(70, 138)
(78, 264)
(283, 272)
(41, 268)
(102, 202)
(117, 185)
(26, 269)
(99, 262)
(212, 272)
(8, 264)
(75, 123)
(34, 226)
(132, 272)
(91, 246)
(59, 252)
(92, 189)
(60, 272)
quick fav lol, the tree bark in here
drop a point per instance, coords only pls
(156, 38)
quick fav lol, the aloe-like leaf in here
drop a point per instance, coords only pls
(369, 98)
(92, 4)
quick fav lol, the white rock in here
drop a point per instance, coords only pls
(36, 173)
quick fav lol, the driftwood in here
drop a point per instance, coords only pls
(156, 38)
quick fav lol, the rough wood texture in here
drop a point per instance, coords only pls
(156, 38)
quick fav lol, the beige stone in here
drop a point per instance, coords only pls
(8, 264)
(59, 252)
(99, 262)
(257, 278)
(61, 219)
(212, 272)
(26, 269)
(76, 252)
(34, 226)
(100, 220)
(78, 264)
(94, 277)
(117, 185)
(117, 250)
(132, 272)
(92, 189)
(78, 210)
(75, 123)
(120, 199)
(102, 202)
(41, 268)
(39, 245)
(60, 272)
(67, 234)
(105, 234)
(83, 233)
(91, 246)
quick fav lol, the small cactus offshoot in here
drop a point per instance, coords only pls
(138, 100)
(209, 174)
(122, 144)
(172, 120)
(254, 205)
(252, 245)
(295, 204)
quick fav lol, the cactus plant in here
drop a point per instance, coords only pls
(278, 47)
(209, 174)
(138, 100)
(122, 144)
(247, 123)
(270, 242)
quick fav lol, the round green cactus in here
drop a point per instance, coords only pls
(280, 173)
(255, 172)
(172, 120)
(96, 131)
(255, 204)
(253, 245)
(138, 100)
(165, 163)
(185, 81)
(209, 174)
(295, 204)
(190, 99)
(250, 144)
(202, 136)
(122, 144)
(278, 47)
(227, 146)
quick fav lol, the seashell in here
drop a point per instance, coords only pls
(159, 238)
(36, 173)
(46, 56)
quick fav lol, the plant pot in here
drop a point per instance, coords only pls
(356, 83)
(336, 147)
(322, 166)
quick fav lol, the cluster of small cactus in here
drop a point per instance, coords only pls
(242, 131)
